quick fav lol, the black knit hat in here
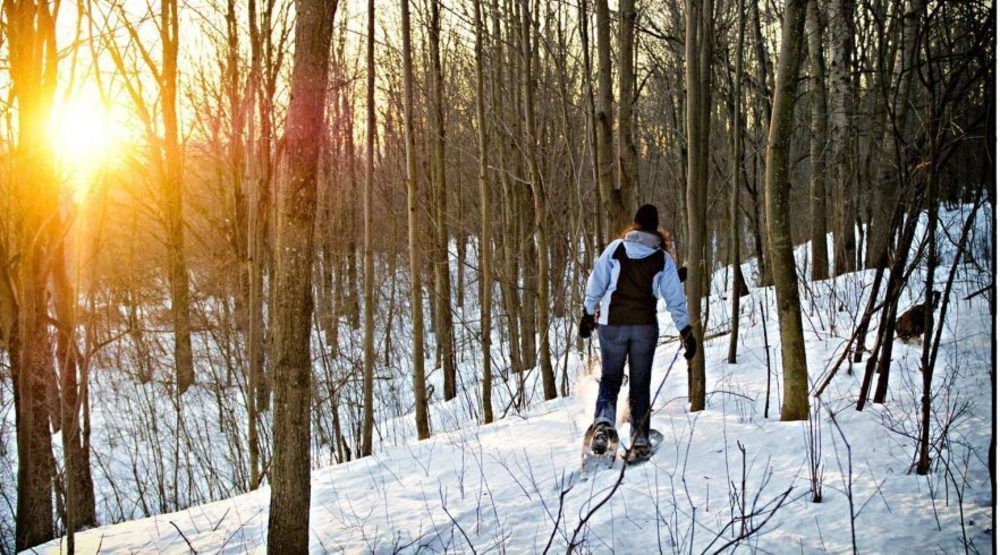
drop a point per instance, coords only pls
(647, 218)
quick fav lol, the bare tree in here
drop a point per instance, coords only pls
(698, 47)
(288, 519)
(817, 143)
(416, 298)
(485, 210)
(369, 263)
(541, 223)
(614, 205)
(795, 404)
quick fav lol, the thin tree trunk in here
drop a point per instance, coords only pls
(844, 145)
(612, 197)
(288, 520)
(696, 42)
(817, 143)
(880, 236)
(795, 404)
(444, 328)
(369, 262)
(485, 211)
(30, 32)
(416, 296)
(173, 207)
(541, 223)
(628, 157)
(734, 207)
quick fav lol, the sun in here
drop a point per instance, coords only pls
(84, 138)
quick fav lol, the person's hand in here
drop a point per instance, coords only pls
(682, 273)
(690, 344)
(587, 325)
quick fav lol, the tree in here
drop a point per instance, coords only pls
(288, 519)
(734, 207)
(416, 298)
(628, 157)
(817, 143)
(443, 325)
(698, 41)
(614, 205)
(31, 35)
(369, 263)
(795, 404)
(172, 185)
(485, 211)
(844, 145)
(541, 223)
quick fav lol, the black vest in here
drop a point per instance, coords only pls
(633, 302)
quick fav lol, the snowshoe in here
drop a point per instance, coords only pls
(600, 448)
(643, 450)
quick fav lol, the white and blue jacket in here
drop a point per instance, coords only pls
(633, 301)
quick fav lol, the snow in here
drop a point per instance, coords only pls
(512, 485)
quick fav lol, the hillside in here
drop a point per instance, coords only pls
(725, 477)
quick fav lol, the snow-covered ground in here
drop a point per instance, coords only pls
(722, 473)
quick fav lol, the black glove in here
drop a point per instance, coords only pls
(690, 344)
(587, 325)
(682, 273)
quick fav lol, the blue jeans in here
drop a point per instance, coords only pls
(637, 344)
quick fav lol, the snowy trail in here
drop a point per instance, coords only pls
(509, 486)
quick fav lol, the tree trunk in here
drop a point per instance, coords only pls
(416, 296)
(880, 235)
(34, 191)
(485, 211)
(613, 203)
(697, 42)
(817, 143)
(844, 145)
(764, 82)
(369, 263)
(444, 327)
(628, 157)
(288, 520)
(734, 207)
(541, 223)
(795, 404)
(173, 207)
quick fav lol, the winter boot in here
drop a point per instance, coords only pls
(602, 437)
(641, 449)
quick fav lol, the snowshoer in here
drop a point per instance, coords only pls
(620, 302)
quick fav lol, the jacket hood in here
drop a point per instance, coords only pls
(640, 244)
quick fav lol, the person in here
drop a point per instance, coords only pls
(620, 302)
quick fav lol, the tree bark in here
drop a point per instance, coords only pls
(485, 212)
(172, 186)
(844, 143)
(416, 296)
(444, 327)
(288, 520)
(880, 236)
(795, 404)
(734, 207)
(697, 41)
(541, 223)
(817, 143)
(31, 46)
(368, 401)
(628, 157)
(613, 203)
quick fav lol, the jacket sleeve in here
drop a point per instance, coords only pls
(600, 278)
(672, 293)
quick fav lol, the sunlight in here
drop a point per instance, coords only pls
(84, 136)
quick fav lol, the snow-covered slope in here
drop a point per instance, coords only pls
(722, 473)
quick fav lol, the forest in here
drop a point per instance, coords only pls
(306, 275)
